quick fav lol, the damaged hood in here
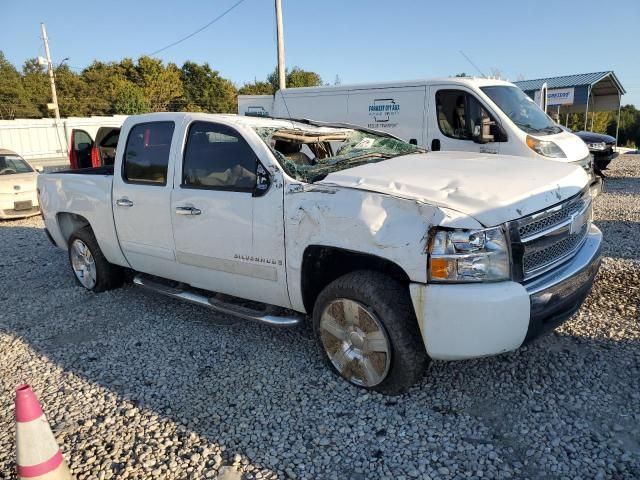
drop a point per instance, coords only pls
(491, 188)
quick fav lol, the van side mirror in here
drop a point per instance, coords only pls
(263, 181)
(39, 169)
(482, 131)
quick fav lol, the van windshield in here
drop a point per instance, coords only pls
(522, 111)
(310, 154)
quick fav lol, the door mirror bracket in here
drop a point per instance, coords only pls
(482, 133)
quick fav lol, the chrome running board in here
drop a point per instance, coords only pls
(289, 320)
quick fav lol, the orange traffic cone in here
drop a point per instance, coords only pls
(37, 452)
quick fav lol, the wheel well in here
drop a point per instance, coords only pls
(322, 265)
(70, 223)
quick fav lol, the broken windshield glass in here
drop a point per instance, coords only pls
(310, 155)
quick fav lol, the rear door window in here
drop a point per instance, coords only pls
(111, 139)
(81, 140)
(146, 156)
(218, 158)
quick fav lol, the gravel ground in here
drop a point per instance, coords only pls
(139, 386)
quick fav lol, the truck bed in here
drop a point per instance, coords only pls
(80, 194)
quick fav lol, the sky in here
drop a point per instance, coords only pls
(356, 40)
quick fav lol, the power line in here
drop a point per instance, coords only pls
(199, 30)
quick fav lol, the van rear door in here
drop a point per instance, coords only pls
(396, 110)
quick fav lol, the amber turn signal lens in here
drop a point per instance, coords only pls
(440, 268)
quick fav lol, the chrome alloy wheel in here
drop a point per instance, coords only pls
(355, 341)
(83, 264)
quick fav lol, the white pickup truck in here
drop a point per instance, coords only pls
(396, 255)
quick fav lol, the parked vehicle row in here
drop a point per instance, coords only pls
(398, 256)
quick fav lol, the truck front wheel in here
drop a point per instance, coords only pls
(366, 326)
(90, 267)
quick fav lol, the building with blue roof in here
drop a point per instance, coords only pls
(581, 93)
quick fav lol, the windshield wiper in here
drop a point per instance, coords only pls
(528, 126)
(551, 129)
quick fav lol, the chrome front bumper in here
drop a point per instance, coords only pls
(557, 295)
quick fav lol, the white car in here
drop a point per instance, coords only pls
(18, 192)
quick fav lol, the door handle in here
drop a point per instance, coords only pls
(188, 211)
(124, 202)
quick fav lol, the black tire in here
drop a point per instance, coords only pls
(108, 276)
(390, 302)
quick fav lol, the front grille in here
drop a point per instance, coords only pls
(551, 220)
(548, 238)
(544, 257)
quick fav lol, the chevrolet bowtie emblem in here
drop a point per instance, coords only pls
(578, 220)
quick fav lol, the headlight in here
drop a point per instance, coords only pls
(469, 256)
(587, 163)
(545, 148)
(597, 146)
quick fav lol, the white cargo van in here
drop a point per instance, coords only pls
(459, 113)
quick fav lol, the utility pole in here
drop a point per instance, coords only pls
(282, 79)
(54, 96)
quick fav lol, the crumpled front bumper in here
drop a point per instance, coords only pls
(461, 321)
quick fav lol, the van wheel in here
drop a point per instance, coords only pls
(91, 270)
(367, 329)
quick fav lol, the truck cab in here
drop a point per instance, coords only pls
(394, 255)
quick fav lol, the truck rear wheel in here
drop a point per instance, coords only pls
(91, 270)
(367, 329)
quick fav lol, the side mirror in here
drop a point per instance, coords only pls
(263, 181)
(39, 169)
(482, 131)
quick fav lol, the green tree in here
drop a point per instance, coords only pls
(36, 85)
(14, 99)
(128, 98)
(73, 98)
(205, 90)
(296, 77)
(103, 81)
(162, 86)
(256, 88)
(629, 130)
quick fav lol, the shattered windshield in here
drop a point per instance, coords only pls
(309, 155)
